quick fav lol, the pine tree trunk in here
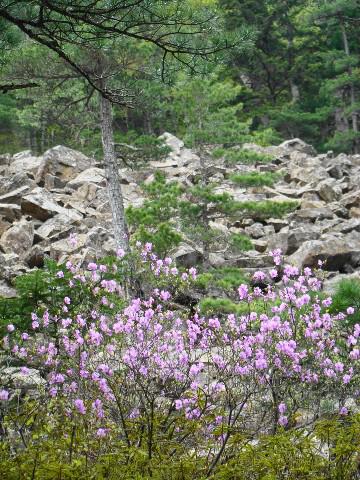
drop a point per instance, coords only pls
(112, 174)
(354, 116)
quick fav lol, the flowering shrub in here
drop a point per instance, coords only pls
(159, 378)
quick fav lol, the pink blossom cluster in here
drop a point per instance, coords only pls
(225, 373)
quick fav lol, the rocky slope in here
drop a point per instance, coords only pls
(43, 199)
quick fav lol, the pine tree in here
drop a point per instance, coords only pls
(341, 19)
(69, 28)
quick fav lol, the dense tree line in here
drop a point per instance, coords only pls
(294, 71)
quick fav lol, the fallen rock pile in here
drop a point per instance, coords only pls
(44, 199)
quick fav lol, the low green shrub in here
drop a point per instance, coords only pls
(347, 294)
(242, 156)
(254, 179)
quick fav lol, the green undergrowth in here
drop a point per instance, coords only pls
(227, 278)
(255, 179)
(329, 451)
(233, 156)
(264, 208)
(347, 294)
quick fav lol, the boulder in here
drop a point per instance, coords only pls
(63, 162)
(298, 145)
(328, 190)
(351, 199)
(313, 214)
(18, 238)
(54, 227)
(10, 211)
(14, 377)
(61, 249)
(4, 225)
(14, 196)
(25, 162)
(308, 175)
(299, 235)
(174, 143)
(6, 291)
(187, 255)
(339, 252)
(330, 284)
(14, 182)
(256, 230)
(91, 175)
(41, 204)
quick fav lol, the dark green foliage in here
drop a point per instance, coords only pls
(328, 452)
(264, 208)
(239, 242)
(153, 222)
(347, 294)
(236, 155)
(254, 179)
(226, 278)
(32, 290)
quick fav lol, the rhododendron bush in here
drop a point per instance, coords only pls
(149, 374)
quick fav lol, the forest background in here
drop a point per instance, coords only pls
(293, 73)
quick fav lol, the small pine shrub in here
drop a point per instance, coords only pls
(254, 179)
(347, 294)
(263, 209)
(234, 156)
(226, 278)
(239, 242)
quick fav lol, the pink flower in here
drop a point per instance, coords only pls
(148, 246)
(259, 276)
(10, 328)
(101, 432)
(79, 405)
(282, 408)
(4, 395)
(350, 310)
(120, 253)
(283, 421)
(243, 291)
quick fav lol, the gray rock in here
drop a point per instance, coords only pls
(187, 255)
(330, 284)
(53, 227)
(6, 291)
(172, 142)
(10, 211)
(329, 190)
(41, 204)
(256, 230)
(61, 249)
(25, 163)
(18, 238)
(14, 196)
(14, 182)
(91, 175)
(62, 162)
(299, 146)
(13, 377)
(339, 252)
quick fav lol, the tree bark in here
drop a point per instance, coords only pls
(354, 115)
(112, 173)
